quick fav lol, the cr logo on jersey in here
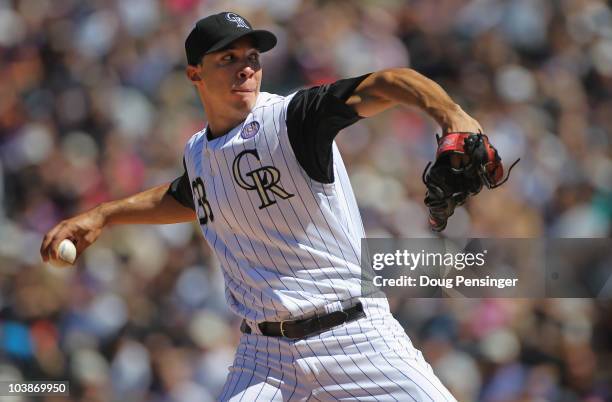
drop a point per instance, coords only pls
(240, 23)
(264, 180)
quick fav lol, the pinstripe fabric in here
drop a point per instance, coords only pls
(293, 257)
(370, 359)
(289, 248)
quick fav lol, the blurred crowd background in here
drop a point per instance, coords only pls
(94, 106)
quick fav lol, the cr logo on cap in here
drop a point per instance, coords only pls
(240, 22)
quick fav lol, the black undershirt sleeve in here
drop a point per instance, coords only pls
(314, 118)
(180, 189)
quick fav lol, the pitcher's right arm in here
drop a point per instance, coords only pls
(157, 205)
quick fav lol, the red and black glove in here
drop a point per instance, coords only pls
(464, 163)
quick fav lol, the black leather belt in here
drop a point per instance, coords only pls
(299, 329)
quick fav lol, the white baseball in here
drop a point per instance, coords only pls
(67, 254)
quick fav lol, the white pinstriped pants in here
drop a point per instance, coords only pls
(370, 359)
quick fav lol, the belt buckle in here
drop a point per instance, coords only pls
(282, 329)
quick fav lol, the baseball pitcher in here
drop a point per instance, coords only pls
(272, 196)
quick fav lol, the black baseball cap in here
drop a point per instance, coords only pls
(217, 31)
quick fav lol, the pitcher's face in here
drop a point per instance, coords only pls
(230, 77)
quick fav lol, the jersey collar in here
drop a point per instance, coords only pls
(261, 98)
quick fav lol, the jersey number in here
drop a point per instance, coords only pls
(204, 212)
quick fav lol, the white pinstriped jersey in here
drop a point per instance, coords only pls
(274, 202)
(288, 245)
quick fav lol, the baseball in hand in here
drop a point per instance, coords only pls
(67, 254)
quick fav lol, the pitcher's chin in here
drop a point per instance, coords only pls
(246, 98)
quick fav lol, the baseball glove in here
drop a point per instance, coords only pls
(464, 163)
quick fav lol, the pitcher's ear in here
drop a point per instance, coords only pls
(192, 74)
